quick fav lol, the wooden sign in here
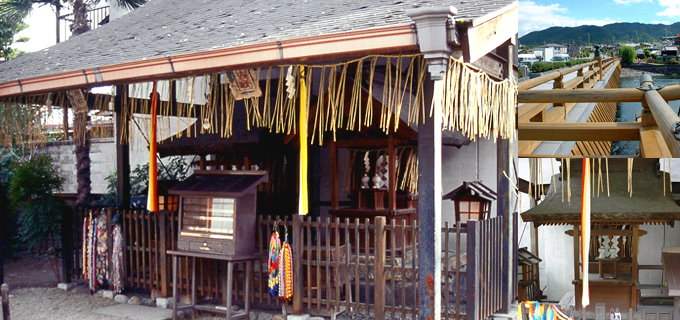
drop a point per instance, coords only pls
(244, 84)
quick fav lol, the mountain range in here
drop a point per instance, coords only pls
(607, 34)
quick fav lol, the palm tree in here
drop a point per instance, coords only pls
(18, 10)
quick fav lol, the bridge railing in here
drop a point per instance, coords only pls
(657, 130)
(542, 114)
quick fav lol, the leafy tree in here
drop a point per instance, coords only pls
(627, 54)
(18, 10)
(8, 31)
(31, 195)
(647, 53)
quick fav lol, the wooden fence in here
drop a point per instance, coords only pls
(367, 266)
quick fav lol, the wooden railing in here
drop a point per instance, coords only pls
(368, 266)
(656, 130)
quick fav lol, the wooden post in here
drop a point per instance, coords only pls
(429, 209)
(298, 308)
(579, 74)
(66, 245)
(509, 273)
(473, 286)
(64, 109)
(380, 256)
(392, 171)
(4, 291)
(599, 65)
(577, 250)
(163, 247)
(334, 176)
(122, 152)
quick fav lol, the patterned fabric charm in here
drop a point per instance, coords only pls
(286, 272)
(273, 264)
(117, 260)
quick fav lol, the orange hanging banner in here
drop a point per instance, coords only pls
(585, 230)
(152, 198)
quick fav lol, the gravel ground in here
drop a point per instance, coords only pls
(53, 303)
(627, 72)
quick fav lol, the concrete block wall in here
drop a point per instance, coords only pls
(102, 155)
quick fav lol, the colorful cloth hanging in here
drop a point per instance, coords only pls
(117, 260)
(273, 264)
(96, 251)
(102, 251)
(286, 271)
(533, 310)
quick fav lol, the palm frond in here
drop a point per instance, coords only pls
(130, 4)
(17, 10)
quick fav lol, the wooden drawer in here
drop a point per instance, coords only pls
(210, 247)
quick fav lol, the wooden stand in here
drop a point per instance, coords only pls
(228, 283)
(607, 260)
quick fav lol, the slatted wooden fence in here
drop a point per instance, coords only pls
(367, 266)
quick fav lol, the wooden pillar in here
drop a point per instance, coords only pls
(392, 171)
(163, 247)
(4, 290)
(380, 256)
(64, 109)
(122, 151)
(3, 226)
(509, 277)
(534, 247)
(335, 204)
(504, 211)
(577, 270)
(298, 307)
(66, 245)
(429, 209)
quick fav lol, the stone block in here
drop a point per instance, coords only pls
(134, 300)
(106, 294)
(298, 317)
(121, 298)
(66, 286)
(165, 303)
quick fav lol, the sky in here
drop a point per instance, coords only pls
(41, 30)
(537, 15)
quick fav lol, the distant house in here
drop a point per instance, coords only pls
(640, 53)
(634, 45)
(668, 53)
(557, 48)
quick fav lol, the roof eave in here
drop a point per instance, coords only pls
(398, 38)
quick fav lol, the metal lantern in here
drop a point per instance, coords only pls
(472, 201)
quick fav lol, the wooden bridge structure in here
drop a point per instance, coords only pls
(576, 117)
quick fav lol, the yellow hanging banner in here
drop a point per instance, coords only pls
(303, 206)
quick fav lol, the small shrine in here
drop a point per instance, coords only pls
(616, 216)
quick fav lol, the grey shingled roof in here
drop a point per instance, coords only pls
(169, 27)
(647, 203)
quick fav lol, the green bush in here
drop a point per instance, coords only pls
(673, 61)
(31, 190)
(547, 66)
(627, 54)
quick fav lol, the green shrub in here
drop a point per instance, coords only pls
(673, 61)
(627, 54)
(31, 190)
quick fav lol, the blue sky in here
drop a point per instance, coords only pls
(541, 14)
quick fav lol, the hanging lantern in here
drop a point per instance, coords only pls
(472, 201)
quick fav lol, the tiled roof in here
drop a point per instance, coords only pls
(169, 27)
